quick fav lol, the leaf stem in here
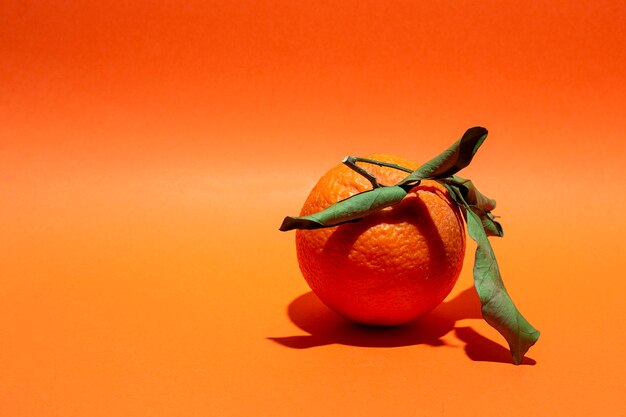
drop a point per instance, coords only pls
(350, 162)
(379, 163)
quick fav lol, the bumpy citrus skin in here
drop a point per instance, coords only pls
(391, 267)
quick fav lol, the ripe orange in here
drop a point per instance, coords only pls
(392, 266)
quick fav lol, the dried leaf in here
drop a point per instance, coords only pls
(490, 225)
(351, 209)
(470, 193)
(498, 308)
(452, 160)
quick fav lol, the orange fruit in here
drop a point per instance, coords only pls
(392, 266)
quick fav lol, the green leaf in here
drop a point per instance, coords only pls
(490, 225)
(350, 209)
(497, 307)
(452, 160)
(478, 202)
(470, 193)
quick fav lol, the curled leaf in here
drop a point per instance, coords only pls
(497, 308)
(490, 225)
(452, 160)
(471, 195)
(350, 209)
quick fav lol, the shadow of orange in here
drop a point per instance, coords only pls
(326, 327)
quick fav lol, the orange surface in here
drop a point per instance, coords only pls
(148, 154)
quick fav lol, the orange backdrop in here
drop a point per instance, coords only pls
(149, 151)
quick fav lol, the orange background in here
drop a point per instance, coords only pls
(149, 152)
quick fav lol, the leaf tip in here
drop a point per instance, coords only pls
(476, 131)
(283, 227)
(474, 137)
(499, 229)
(518, 354)
(288, 223)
